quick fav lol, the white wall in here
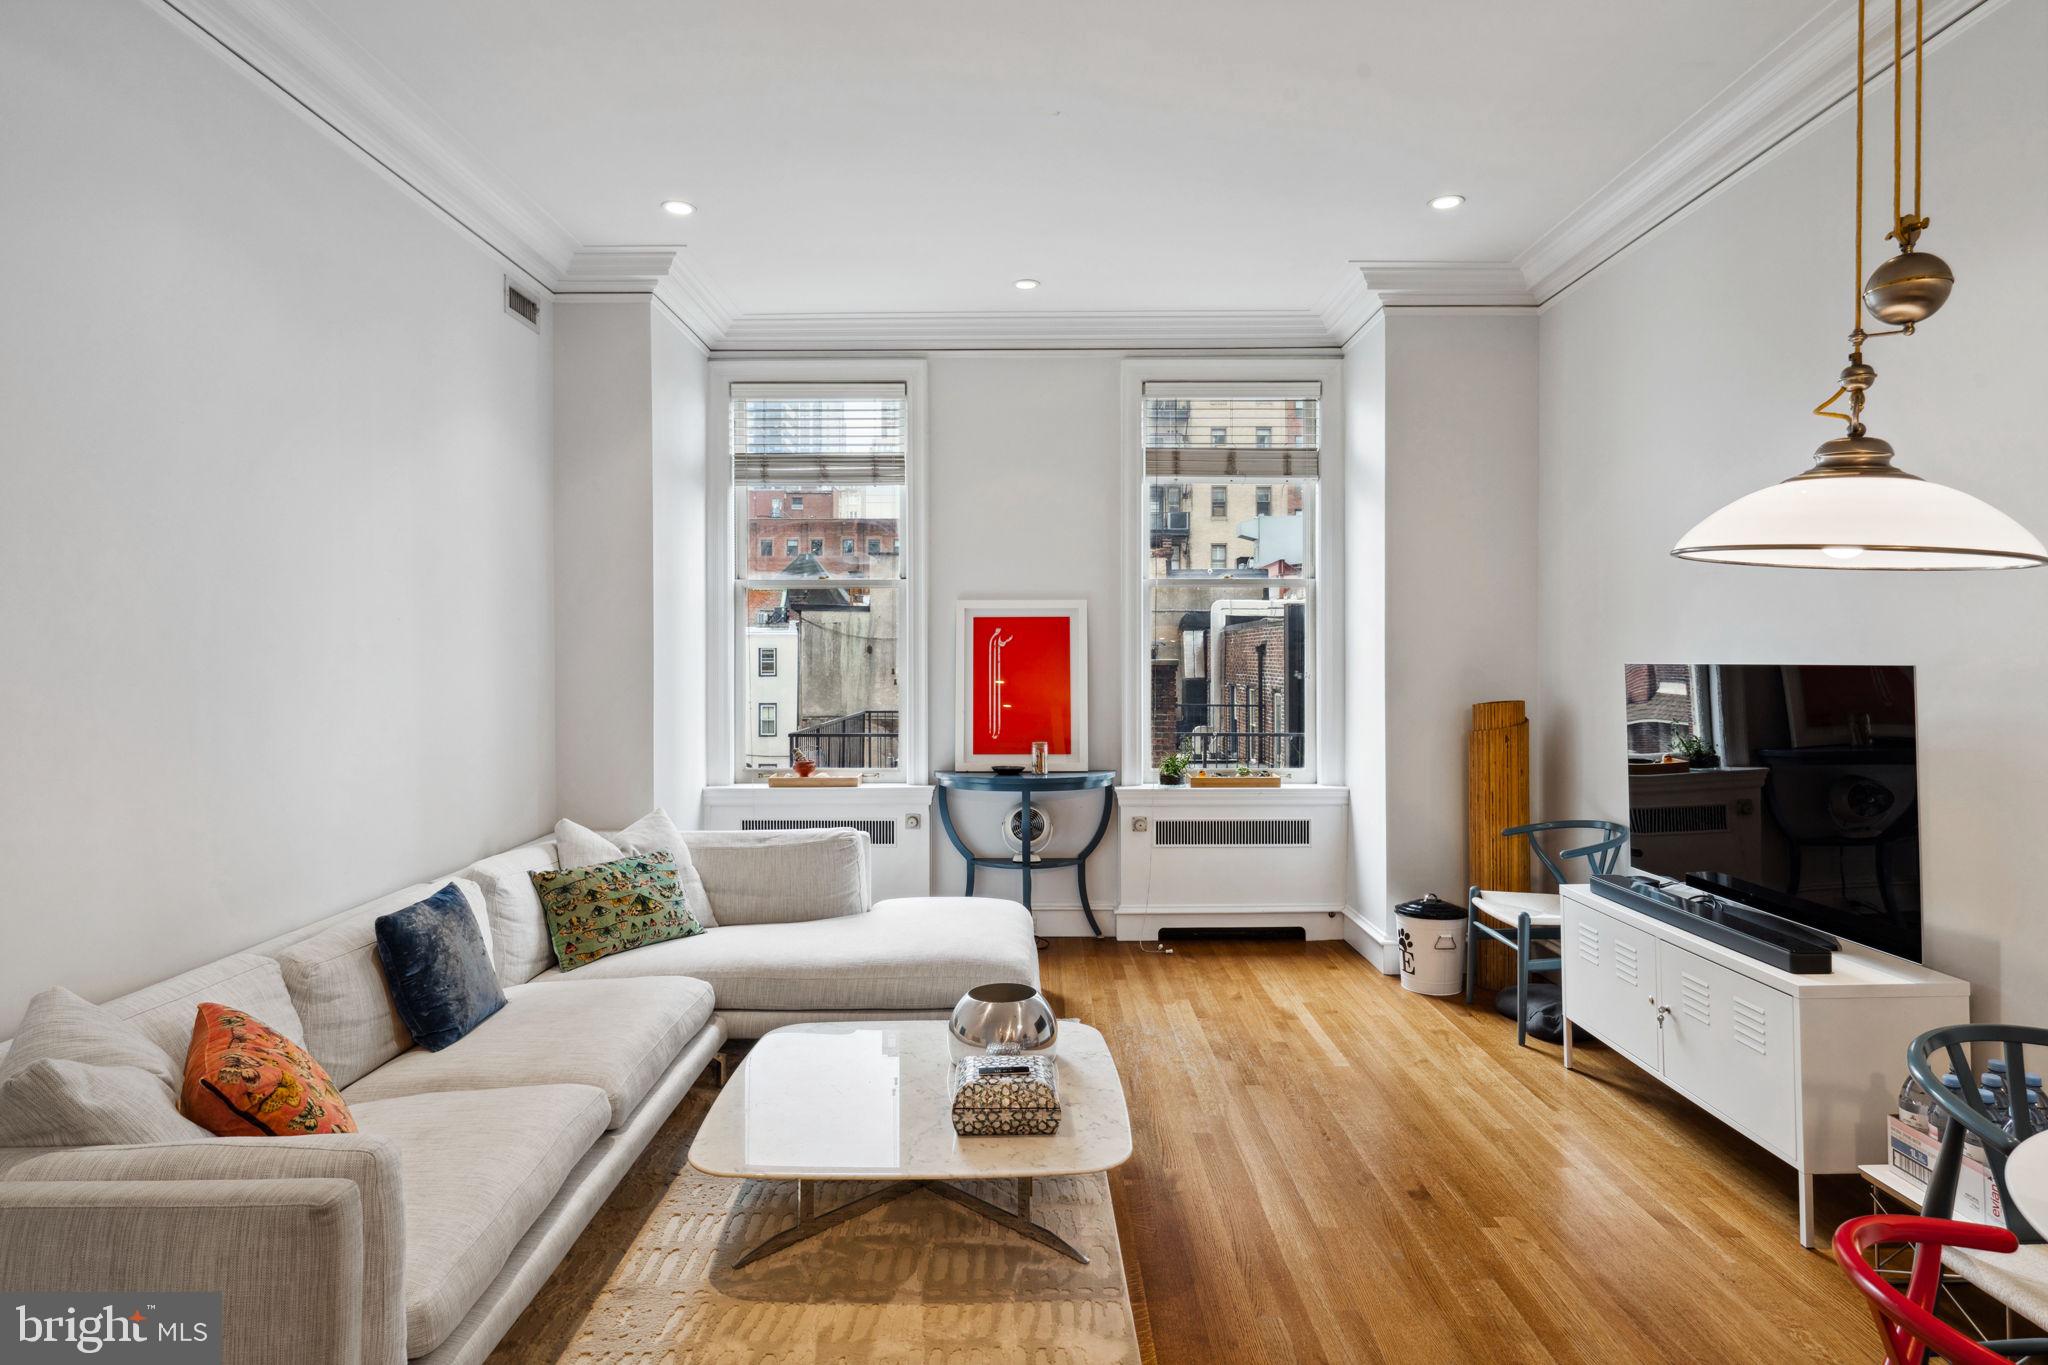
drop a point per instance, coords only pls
(604, 553)
(1023, 466)
(1443, 461)
(682, 576)
(275, 557)
(1461, 567)
(630, 491)
(1680, 376)
(1365, 620)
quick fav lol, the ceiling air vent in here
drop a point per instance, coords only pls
(522, 305)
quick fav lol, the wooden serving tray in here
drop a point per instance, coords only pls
(1208, 780)
(814, 780)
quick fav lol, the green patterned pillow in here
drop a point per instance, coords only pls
(593, 912)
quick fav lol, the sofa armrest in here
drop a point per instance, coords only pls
(364, 1160)
(782, 876)
(285, 1255)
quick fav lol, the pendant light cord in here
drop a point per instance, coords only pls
(1856, 293)
(1919, 99)
(1854, 417)
(1898, 107)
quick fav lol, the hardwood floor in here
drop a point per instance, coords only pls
(1329, 1169)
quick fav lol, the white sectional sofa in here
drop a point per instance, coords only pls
(424, 1234)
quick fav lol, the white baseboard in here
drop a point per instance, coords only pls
(1369, 943)
(1315, 921)
(1061, 921)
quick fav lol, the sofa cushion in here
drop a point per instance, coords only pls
(619, 1036)
(438, 968)
(477, 1167)
(653, 832)
(247, 981)
(519, 933)
(244, 1079)
(782, 876)
(80, 1076)
(921, 953)
(337, 983)
(609, 908)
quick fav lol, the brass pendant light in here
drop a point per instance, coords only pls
(1855, 509)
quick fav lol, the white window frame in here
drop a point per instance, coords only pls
(724, 755)
(1325, 641)
(767, 661)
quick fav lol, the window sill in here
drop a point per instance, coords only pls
(1286, 794)
(891, 794)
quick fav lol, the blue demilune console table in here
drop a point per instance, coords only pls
(1026, 786)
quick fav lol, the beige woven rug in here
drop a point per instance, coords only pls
(919, 1279)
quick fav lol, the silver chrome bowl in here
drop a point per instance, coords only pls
(1005, 1016)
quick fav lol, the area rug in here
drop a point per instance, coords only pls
(918, 1279)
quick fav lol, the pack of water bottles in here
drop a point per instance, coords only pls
(1915, 1134)
(1996, 1097)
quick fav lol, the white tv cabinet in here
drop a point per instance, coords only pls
(1807, 1067)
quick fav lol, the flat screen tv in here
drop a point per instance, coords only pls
(1789, 787)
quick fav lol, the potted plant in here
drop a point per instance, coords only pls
(1174, 767)
(1695, 751)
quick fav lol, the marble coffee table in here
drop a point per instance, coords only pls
(873, 1102)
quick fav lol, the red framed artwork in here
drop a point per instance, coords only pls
(1022, 676)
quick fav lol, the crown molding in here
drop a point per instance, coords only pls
(662, 271)
(312, 63)
(1368, 286)
(1177, 329)
(1790, 87)
(1348, 307)
(300, 52)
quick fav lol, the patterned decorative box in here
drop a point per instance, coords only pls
(1006, 1095)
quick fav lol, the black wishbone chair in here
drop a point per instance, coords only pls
(1967, 1116)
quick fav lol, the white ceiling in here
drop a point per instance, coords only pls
(914, 155)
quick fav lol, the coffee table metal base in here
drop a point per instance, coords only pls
(810, 1222)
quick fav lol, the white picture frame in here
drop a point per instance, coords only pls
(975, 677)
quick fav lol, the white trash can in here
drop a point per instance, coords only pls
(1431, 935)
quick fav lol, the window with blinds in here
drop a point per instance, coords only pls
(1236, 431)
(820, 486)
(1229, 583)
(818, 433)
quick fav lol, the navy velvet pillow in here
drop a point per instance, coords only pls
(439, 970)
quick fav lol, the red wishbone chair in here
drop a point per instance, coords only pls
(1906, 1320)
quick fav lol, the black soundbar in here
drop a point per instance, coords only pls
(1744, 929)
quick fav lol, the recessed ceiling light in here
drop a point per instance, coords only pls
(1447, 201)
(678, 207)
(1027, 284)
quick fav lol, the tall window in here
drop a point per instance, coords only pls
(837, 453)
(1227, 648)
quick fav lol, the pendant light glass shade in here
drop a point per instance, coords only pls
(1852, 510)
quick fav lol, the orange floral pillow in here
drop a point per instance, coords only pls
(243, 1079)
